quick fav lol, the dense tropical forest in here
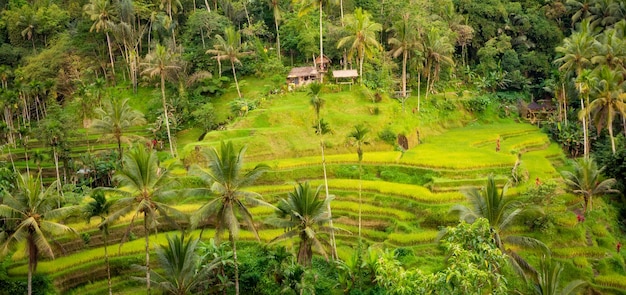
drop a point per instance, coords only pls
(312, 147)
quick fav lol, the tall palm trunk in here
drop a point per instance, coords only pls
(56, 167)
(32, 262)
(330, 221)
(106, 260)
(321, 44)
(405, 56)
(419, 91)
(611, 135)
(427, 85)
(111, 55)
(165, 117)
(147, 234)
(232, 63)
(277, 38)
(361, 58)
(584, 119)
(233, 243)
(208, 7)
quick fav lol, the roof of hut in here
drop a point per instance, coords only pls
(302, 72)
(324, 60)
(345, 74)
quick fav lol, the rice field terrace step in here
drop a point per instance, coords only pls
(589, 252)
(612, 281)
(411, 239)
(446, 185)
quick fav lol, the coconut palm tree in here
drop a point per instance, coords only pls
(164, 63)
(438, 50)
(304, 214)
(610, 50)
(610, 100)
(358, 138)
(143, 189)
(577, 51)
(181, 265)
(362, 38)
(275, 7)
(225, 178)
(101, 13)
(31, 212)
(229, 48)
(116, 117)
(404, 42)
(549, 277)
(100, 207)
(501, 212)
(321, 128)
(581, 9)
(586, 180)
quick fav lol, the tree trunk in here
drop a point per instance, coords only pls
(111, 56)
(106, 260)
(419, 90)
(233, 243)
(360, 202)
(584, 119)
(235, 76)
(330, 221)
(610, 125)
(56, 167)
(119, 147)
(321, 44)
(208, 7)
(32, 262)
(427, 85)
(147, 233)
(167, 121)
(361, 58)
(277, 38)
(405, 56)
(304, 251)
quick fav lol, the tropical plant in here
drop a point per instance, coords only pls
(321, 128)
(304, 214)
(101, 207)
(586, 180)
(229, 48)
(225, 178)
(166, 64)
(549, 277)
(405, 41)
(143, 189)
(274, 5)
(31, 213)
(116, 117)
(101, 13)
(500, 212)
(438, 50)
(358, 138)
(610, 100)
(362, 38)
(181, 265)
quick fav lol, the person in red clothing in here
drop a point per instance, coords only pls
(498, 145)
(619, 246)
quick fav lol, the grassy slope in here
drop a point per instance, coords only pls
(456, 150)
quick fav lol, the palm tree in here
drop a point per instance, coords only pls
(362, 39)
(610, 100)
(501, 212)
(225, 178)
(31, 211)
(581, 8)
(549, 277)
(609, 50)
(304, 214)
(100, 207)
(577, 51)
(229, 48)
(358, 137)
(586, 179)
(181, 265)
(117, 116)
(405, 41)
(143, 187)
(164, 63)
(275, 7)
(101, 13)
(438, 50)
(321, 128)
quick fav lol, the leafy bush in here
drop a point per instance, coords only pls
(241, 107)
(387, 136)
(478, 104)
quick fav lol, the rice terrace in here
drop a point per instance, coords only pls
(312, 147)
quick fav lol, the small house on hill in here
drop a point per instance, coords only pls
(302, 76)
(346, 76)
(537, 111)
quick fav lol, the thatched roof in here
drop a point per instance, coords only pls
(544, 105)
(324, 60)
(302, 72)
(345, 74)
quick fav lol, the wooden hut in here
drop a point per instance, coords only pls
(322, 63)
(345, 76)
(537, 111)
(302, 76)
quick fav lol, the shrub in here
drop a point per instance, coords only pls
(387, 136)
(478, 104)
